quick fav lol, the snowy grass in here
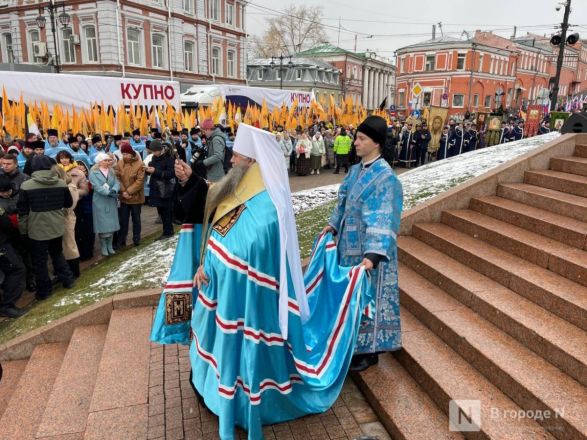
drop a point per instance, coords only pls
(147, 266)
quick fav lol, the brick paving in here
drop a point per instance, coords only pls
(175, 414)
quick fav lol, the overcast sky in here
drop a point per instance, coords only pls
(394, 24)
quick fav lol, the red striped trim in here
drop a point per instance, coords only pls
(250, 333)
(265, 384)
(354, 273)
(234, 261)
(179, 285)
(187, 226)
(314, 283)
(207, 302)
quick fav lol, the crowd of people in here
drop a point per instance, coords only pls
(57, 194)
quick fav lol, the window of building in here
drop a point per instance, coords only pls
(68, 48)
(299, 74)
(354, 75)
(133, 38)
(402, 65)
(90, 45)
(230, 63)
(488, 101)
(491, 66)
(260, 74)
(430, 63)
(34, 38)
(216, 61)
(188, 56)
(278, 73)
(215, 9)
(461, 61)
(188, 6)
(402, 98)
(480, 68)
(458, 100)
(475, 100)
(158, 50)
(8, 49)
(230, 13)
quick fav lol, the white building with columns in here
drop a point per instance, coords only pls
(364, 76)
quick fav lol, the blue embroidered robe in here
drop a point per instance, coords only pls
(367, 219)
(246, 372)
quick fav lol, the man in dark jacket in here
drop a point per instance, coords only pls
(9, 165)
(41, 202)
(422, 138)
(12, 268)
(162, 184)
(216, 144)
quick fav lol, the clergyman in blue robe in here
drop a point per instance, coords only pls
(367, 219)
(268, 344)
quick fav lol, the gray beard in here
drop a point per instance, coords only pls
(223, 188)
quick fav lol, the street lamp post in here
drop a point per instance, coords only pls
(561, 55)
(64, 19)
(280, 58)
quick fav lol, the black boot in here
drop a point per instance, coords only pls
(361, 362)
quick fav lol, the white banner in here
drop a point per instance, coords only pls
(242, 95)
(82, 91)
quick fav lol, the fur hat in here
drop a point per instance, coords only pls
(376, 128)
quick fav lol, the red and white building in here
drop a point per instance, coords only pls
(191, 41)
(485, 72)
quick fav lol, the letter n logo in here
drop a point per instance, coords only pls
(464, 415)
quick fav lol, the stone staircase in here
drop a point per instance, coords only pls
(94, 386)
(494, 308)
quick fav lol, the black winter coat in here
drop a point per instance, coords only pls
(162, 181)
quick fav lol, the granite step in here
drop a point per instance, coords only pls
(564, 229)
(581, 150)
(557, 180)
(446, 377)
(121, 391)
(556, 340)
(553, 255)
(411, 414)
(69, 404)
(552, 292)
(548, 199)
(534, 384)
(11, 372)
(571, 164)
(25, 409)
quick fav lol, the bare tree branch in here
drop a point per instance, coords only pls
(298, 29)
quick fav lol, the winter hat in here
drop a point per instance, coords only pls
(376, 128)
(52, 132)
(136, 132)
(156, 145)
(5, 183)
(117, 137)
(96, 138)
(100, 157)
(125, 148)
(38, 144)
(40, 163)
(207, 124)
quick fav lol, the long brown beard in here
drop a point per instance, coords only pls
(223, 188)
(216, 194)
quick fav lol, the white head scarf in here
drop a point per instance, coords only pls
(100, 157)
(263, 147)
